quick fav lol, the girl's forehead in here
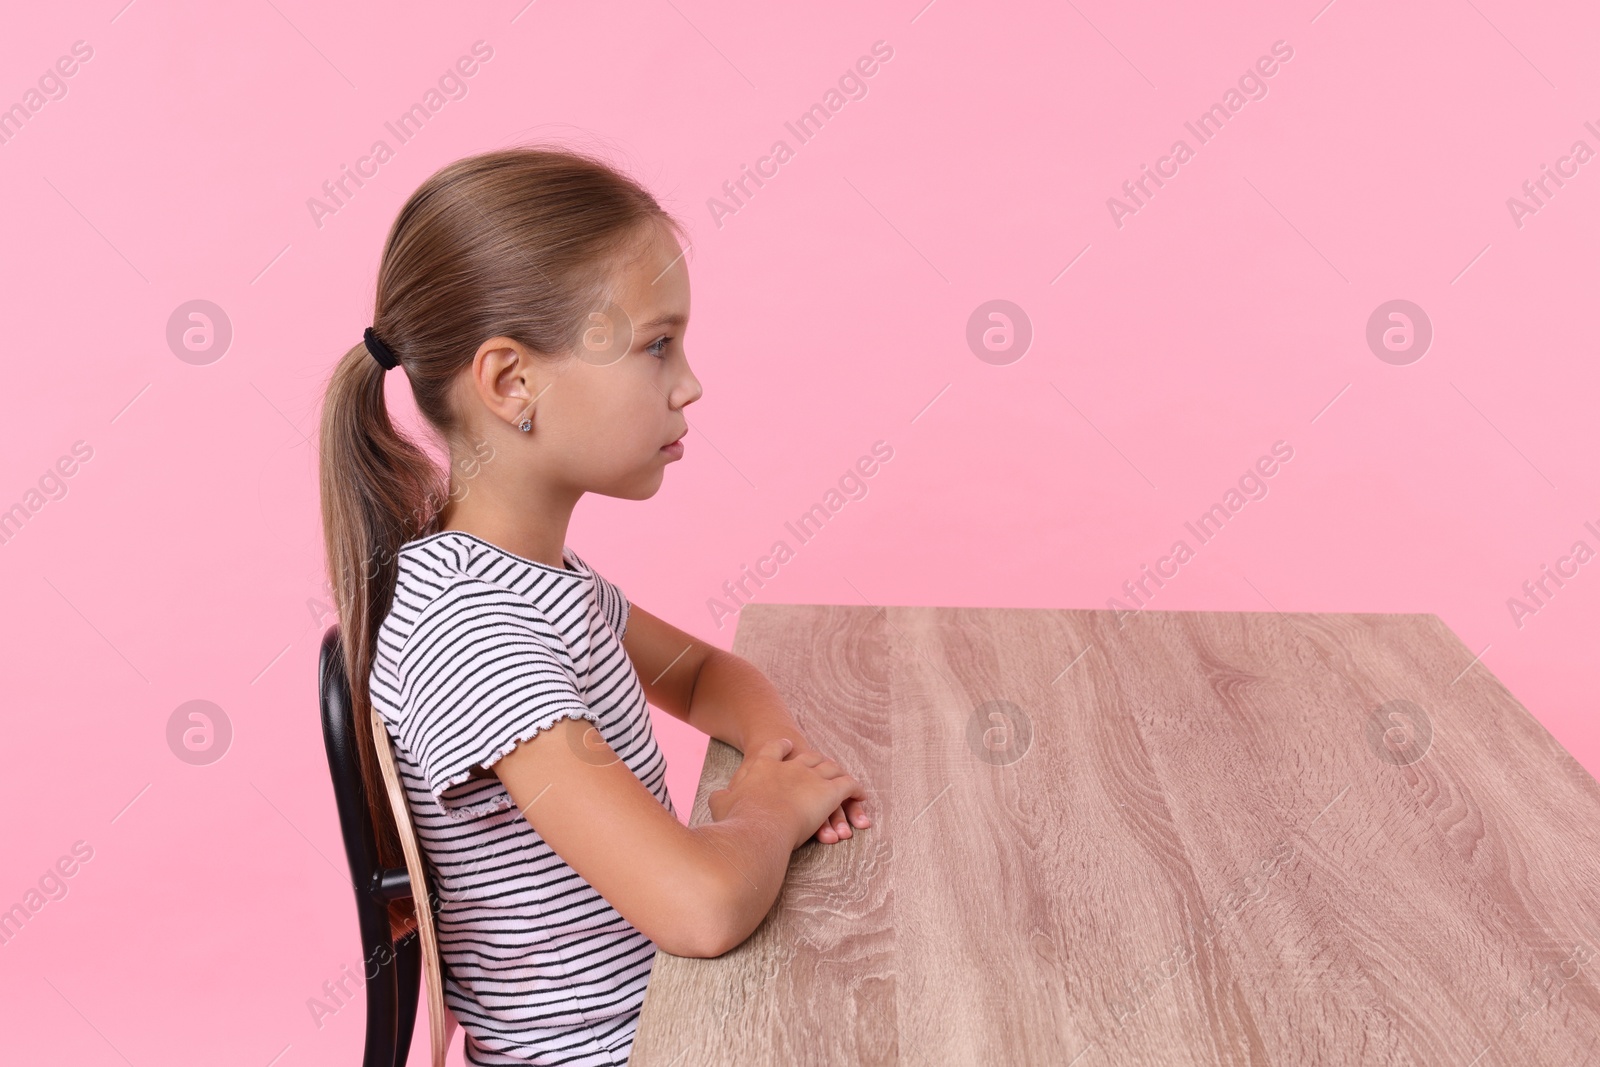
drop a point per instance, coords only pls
(657, 258)
(653, 284)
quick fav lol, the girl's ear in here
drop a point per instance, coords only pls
(505, 378)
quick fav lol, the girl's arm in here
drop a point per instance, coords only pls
(694, 892)
(717, 692)
(721, 694)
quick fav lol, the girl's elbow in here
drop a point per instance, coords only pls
(703, 947)
(697, 940)
(700, 926)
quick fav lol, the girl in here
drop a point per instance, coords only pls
(536, 301)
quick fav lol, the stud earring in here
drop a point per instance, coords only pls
(526, 425)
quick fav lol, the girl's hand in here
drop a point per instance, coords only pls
(834, 829)
(837, 826)
(794, 792)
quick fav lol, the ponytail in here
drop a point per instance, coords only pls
(376, 487)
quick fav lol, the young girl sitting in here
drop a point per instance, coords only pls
(536, 300)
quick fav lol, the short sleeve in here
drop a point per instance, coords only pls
(480, 680)
(622, 611)
(613, 601)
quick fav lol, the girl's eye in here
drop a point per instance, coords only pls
(658, 351)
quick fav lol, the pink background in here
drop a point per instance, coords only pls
(184, 562)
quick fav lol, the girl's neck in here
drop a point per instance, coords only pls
(539, 539)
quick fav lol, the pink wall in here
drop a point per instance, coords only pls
(1170, 349)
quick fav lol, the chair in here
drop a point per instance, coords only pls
(393, 966)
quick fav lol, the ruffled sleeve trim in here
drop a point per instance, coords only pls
(502, 799)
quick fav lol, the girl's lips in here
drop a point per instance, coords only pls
(675, 449)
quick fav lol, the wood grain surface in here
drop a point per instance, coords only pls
(1194, 838)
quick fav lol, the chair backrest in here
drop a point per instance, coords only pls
(392, 966)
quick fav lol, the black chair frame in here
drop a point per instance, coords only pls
(392, 968)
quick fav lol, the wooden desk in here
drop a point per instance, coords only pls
(1202, 838)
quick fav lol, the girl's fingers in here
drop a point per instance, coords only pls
(841, 825)
(858, 812)
(851, 812)
(838, 827)
(834, 829)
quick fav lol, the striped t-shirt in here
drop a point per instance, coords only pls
(481, 650)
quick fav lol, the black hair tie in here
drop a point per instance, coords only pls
(380, 351)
